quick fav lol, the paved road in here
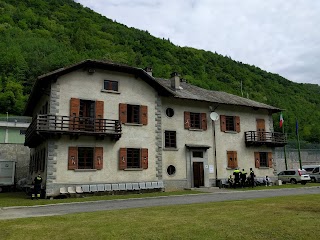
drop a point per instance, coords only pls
(217, 196)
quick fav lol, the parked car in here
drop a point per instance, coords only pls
(315, 175)
(294, 176)
(314, 172)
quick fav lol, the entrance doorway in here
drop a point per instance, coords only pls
(198, 174)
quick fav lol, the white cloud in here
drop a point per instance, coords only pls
(279, 36)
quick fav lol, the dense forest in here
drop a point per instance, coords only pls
(37, 36)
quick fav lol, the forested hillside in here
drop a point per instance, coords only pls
(37, 36)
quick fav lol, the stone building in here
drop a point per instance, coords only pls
(100, 124)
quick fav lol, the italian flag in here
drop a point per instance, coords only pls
(281, 120)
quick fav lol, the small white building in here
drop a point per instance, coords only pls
(100, 123)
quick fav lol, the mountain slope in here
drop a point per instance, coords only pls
(37, 36)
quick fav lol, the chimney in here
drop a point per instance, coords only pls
(175, 81)
(149, 70)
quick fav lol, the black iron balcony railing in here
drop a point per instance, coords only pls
(46, 125)
(272, 139)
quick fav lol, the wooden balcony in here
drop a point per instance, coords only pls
(270, 139)
(52, 126)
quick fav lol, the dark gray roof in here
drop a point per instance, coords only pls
(161, 85)
(192, 92)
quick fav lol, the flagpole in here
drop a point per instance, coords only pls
(281, 123)
(298, 140)
(284, 149)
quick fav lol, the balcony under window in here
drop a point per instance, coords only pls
(45, 126)
(270, 139)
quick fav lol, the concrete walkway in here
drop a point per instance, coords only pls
(213, 195)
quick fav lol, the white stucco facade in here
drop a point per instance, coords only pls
(207, 147)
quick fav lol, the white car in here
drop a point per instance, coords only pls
(294, 176)
(314, 171)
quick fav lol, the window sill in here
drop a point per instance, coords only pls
(133, 124)
(85, 170)
(263, 167)
(133, 169)
(196, 129)
(230, 168)
(110, 91)
(232, 132)
(170, 149)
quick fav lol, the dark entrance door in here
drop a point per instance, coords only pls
(198, 174)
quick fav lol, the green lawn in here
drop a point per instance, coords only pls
(293, 217)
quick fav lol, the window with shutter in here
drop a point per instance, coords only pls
(133, 158)
(229, 123)
(263, 159)
(232, 159)
(137, 114)
(85, 158)
(195, 120)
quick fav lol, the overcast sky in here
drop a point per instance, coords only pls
(279, 36)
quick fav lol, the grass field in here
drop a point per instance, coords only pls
(294, 217)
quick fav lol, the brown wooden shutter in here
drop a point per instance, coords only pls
(74, 113)
(257, 159)
(98, 158)
(270, 159)
(123, 112)
(230, 159)
(237, 120)
(235, 159)
(122, 158)
(144, 158)
(223, 125)
(99, 123)
(187, 123)
(144, 115)
(72, 158)
(204, 121)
